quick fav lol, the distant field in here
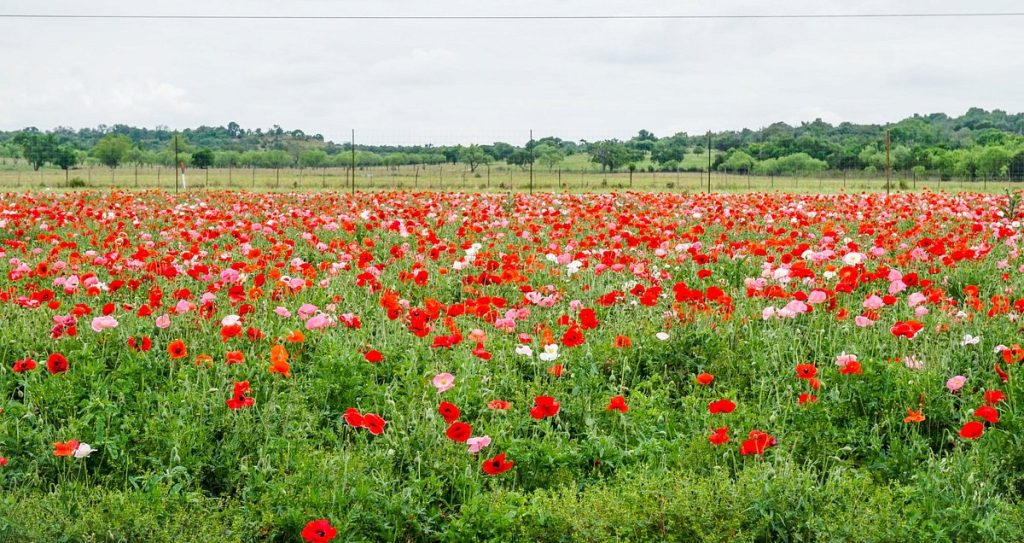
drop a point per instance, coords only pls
(574, 176)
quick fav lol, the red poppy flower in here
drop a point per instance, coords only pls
(806, 371)
(56, 363)
(499, 405)
(234, 357)
(908, 329)
(705, 379)
(480, 352)
(24, 365)
(618, 403)
(497, 465)
(238, 398)
(573, 337)
(556, 370)
(622, 342)
(353, 417)
(851, 368)
(459, 432)
(756, 443)
(988, 413)
(228, 332)
(373, 356)
(588, 319)
(543, 407)
(449, 411)
(374, 423)
(142, 344)
(806, 398)
(993, 397)
(721, 406)
(1003, 376)
(720, 436)
(319, 531)
(972, 430)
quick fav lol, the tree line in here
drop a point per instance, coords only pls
(977, 144)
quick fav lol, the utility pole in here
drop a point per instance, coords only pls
(175, 136)
(888, 162)
(709, 162)
(531, 161)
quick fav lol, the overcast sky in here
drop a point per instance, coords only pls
(447, 81)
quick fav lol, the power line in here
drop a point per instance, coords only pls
(992, 14)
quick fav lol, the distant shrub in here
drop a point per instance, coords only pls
(77, 183)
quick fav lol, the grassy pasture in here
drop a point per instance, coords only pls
(497, 178)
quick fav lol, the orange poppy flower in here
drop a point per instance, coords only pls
(177, 349)
(1014, 354)
(914, 416)
(66, 448)
(279, 361)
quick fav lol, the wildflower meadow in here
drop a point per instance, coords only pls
(400, 366)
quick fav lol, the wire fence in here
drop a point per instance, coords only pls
(485, 178)
(575, 172)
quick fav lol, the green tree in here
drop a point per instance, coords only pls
(500, 150)
(9, 149)
(249, 159)
(644, 141)
(276, 159)
(549, 155)
(668, 150)
(36, 147)
(368, 159)
(313, 158)
(612, 154)
(203, 158)
(136, 156)
(992, 160)
(768, 166)
(1017, 166)
(65, 158)
(344, 160)
(800, 163)
(943, 162)
(737, 161)
(227, 159)
(473, 156)
(521, 158)
(967, 163)
(111, 150)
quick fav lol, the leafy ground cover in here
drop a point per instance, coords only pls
(452, 367)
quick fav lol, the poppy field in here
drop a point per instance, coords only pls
(399, 366)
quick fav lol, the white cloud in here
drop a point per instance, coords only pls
(148, 96)
(421, 66)
(419, 81)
